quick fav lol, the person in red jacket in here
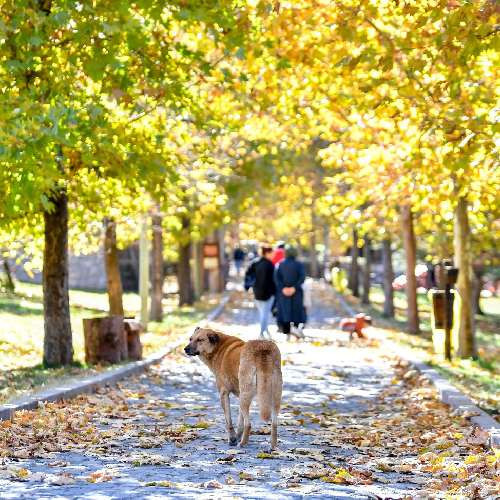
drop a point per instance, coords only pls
(279, 254)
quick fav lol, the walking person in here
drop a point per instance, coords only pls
(289, 277)
(238, 257)
(260, 277)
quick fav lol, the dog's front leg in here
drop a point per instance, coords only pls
(224, 401)
(241, 422)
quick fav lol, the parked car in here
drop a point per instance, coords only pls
(399, 282)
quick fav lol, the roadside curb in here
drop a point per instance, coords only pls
(91, 384)
(458, 401)
(448, 393)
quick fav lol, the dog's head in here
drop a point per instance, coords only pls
(203, 342)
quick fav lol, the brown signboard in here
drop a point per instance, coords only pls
(210, 250)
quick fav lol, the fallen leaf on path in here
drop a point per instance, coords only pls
(58, 463)
(245, 476)
(60, 479)
(100, 476)
(213, 484)
(227, 459)
(163, 484)
(138, 459)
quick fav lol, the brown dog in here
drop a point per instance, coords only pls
(243, 369)
(356, 325)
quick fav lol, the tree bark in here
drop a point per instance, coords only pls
(9, 282)
(477, 287)
(313, 257)
(326, 253)
(133, 331)
(410, 247)
(466, 326)
(184, 280)
(388, 278)
(365, 299)
(57, 346)
(157, 277)
(198, 278)
(354, 271)
(112, 265)
(144, 282)
(223, 261)
(105, 340)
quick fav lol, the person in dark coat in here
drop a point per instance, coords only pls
(289, 277)
(238, 257)
(260, 277)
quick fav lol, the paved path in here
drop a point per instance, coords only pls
(350, 428)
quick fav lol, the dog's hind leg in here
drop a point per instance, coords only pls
(277, 387)
(226, 406)
(248, 389)
(239, 431)
(244, 418)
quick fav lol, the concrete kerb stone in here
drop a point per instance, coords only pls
(91, 384)
(459, 402)
(448, 393)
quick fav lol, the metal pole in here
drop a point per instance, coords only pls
(447, 325)
(144, 272)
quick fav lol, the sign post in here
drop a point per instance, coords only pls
(211, 264)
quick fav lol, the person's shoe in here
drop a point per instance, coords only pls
(297, 332)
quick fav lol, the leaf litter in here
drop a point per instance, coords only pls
(404, 435)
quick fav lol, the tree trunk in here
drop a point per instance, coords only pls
(112, 265)
(313, 257)
(157, 277)
(133, 331)
(326, 253)
(198, 278)
(388, 278)
(365, 299)
(57, 346)
(354, 271)
(105, 340)
(466, 327)
(186, 293)
(144, 272)
(223, 260)
(477, 287)
(9, 282)
(410, 247)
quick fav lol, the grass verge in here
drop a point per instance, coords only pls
(21, 335)
(478, 378)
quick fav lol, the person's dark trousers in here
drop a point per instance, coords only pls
(285, 327)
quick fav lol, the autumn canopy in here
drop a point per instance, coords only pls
(377, 119)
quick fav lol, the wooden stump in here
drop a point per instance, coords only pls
(105, 340)
(132, 332)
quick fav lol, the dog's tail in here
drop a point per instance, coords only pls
(264, 362)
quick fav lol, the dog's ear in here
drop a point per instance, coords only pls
(213, 338)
